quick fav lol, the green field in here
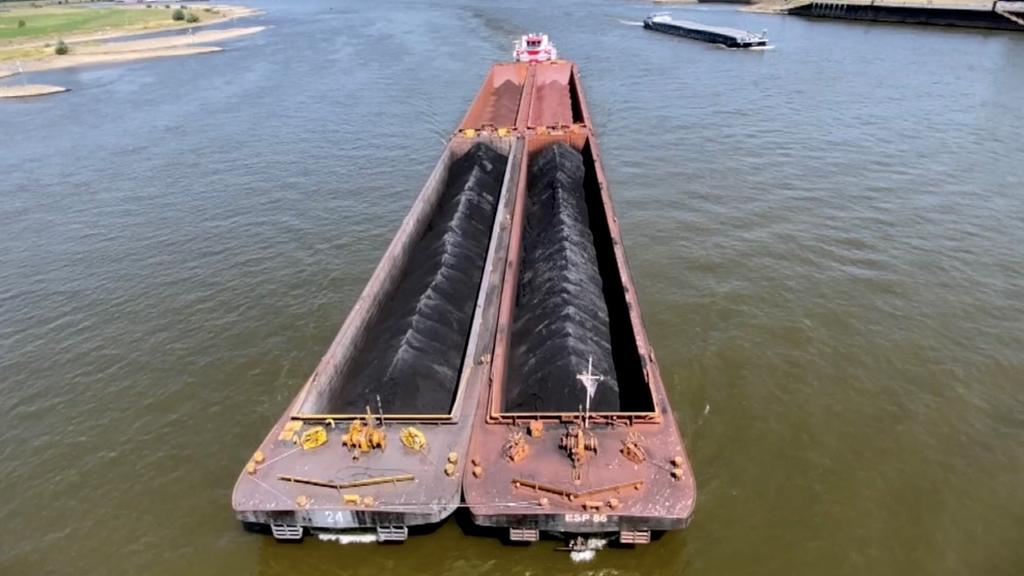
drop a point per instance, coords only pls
(41, 22)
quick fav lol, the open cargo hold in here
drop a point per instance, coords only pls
(414, 347)
(542, 460)
(497, 104)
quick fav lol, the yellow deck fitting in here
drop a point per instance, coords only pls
(251, 465)
(350, 499)
(288, 431)
(314, 437)
(363, 435)
(413, 439)
(449, 469)
(478, 471)
(302, 501)
(453, 457)
(536, 428)
(503, 131)
(469, 132)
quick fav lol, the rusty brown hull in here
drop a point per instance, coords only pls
(637, 480)
(336, 491)
(523, 476)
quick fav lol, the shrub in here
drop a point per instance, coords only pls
(191, 18)
(21, 23)
(178, 15)
(61, 48)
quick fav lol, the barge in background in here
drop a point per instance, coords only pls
(374, 441)
(728, 37)
(572, 456)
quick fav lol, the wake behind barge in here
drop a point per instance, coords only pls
(728, 37)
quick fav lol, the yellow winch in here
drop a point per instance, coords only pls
(363, 435)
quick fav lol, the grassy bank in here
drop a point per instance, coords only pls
(30, 23)
(31, 32)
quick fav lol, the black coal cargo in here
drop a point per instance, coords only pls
(412, 352)
(561, 317)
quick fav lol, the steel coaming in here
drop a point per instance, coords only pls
(573, 473)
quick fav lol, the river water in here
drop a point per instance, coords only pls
(827, 239)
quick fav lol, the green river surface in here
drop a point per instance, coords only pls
(827, 240)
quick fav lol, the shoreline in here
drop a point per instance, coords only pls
(159, 47)
(36, 53)
(227, 12)
(98, 47)
(30, 90)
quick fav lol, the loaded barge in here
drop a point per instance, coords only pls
(728, 37)
(497, 354)
(374, 442)
(575, 437)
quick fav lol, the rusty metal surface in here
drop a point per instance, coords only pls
(262, 496)
(639, 477)
(551, 102)
(497, 103)
(622, 471)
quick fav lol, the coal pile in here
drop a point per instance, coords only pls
(412, 352)
(561, 317)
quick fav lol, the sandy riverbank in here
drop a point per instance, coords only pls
(202, 37)
(29, 90)
(132, 50)
(72, 60)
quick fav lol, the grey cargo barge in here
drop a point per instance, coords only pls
(729, 37)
